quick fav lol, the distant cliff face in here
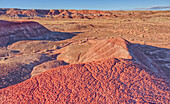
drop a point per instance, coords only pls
(15, 31)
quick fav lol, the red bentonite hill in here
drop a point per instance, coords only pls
(107, 81)
(15, 31)
(12, 31)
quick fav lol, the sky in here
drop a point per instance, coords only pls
(87, 4)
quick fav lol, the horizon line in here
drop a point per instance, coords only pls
(135, 9)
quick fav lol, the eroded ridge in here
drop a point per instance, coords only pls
(106, 81)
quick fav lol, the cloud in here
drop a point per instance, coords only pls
(160, 7)
(156, 7)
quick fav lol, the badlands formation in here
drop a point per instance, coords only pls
(63, 13)
(106, 57)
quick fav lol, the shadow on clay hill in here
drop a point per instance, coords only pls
(160, 56)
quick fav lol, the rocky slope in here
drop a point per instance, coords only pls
(107, 81)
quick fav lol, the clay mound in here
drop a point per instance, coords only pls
(65, 12)
(96, 50)
(104, 49)
(7, 53)
(12, 23)
(109, 81)
(2, 12)
(13, 12)
(90, 11)
(53, 12)
(42, 11)
(26, 13)
(117, 47)
(19, 30)
(16, 69)
(31, 13)
(46, 66)
(35, 46)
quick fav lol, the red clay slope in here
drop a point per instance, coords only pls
(109, 81)
(14, 31)
(113, 48)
